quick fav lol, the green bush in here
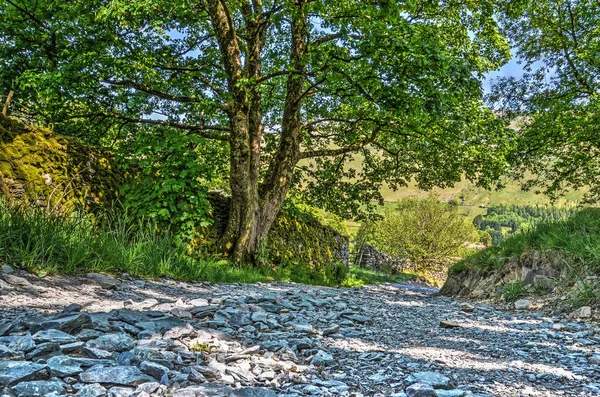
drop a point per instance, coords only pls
(173, 174)
(425, 231)
(515, 290)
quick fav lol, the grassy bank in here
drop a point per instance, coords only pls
(570, 246)
(573, 242)
(44, 243)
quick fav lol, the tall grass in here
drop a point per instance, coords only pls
(572, 243)
(44, 243)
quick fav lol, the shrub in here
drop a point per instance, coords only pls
(173, 174)
(515, 290)
(425, 231)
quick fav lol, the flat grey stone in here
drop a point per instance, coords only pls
(450, 393)
(103, 280)
(63, 366)
(253, 392)
(12, 372)
(179, 331)
(321, 358)
(112, 343)
(16, 280)
(93, 390)
(24, 344)
(420, 390)
(434, 379)
(53, 335)
(153, 369)
(39, 388)
(120, 375)
(43, 349)
(204, 391)
(6, 352)
(69, 324)
(6, 269)
(120, 392)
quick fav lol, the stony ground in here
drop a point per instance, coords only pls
(96, 336)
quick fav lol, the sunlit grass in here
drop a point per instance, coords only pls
(45, 243)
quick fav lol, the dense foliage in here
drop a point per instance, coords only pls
(502, 220)
(428, 233)
(556, 104)
(275, 82)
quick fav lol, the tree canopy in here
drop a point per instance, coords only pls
(292, 89)
(556, 104)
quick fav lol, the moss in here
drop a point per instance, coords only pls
(52, 170)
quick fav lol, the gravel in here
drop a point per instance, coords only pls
(96, 337)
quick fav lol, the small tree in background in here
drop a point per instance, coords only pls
(425, 231)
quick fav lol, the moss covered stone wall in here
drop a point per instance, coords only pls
(53, 170)
(291, 239)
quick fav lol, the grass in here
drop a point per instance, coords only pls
(570, 245)
(44, 243)
(573, 242)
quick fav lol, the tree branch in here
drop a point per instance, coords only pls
(152, 91)
(336, 152)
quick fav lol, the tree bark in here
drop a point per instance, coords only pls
(7, 103)
(252, 213)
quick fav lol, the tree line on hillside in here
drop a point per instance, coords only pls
(499, 221)
(271, 100)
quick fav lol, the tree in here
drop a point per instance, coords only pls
(425, 231)
(294, 88)
(556, 104)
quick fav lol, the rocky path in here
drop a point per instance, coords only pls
(95, 336)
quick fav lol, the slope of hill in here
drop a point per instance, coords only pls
(560, 257)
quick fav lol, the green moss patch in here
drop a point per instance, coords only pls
(54, 171)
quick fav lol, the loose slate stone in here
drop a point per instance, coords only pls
(63, 366)
(39, 388)
(43, 349)
(204, 391)
(253, 392)
(93, 390)
(15, 280)
(449, 324)
(120, 392)
(179, 331)
(153, 369)
(523, 304)
(53, 335)
(437, 381)
(420, 390)
(68, 324)
(450, 393)
(102, 280)
(112, 343)
(12, 372)
(120, 375)
(6, 352)
(24, 344)
(97, 353)
(321, 358)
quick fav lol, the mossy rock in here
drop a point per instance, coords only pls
(54, 171)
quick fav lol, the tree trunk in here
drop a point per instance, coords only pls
(7, 103)
(252, 213)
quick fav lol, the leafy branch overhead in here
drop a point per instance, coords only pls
(294, 88)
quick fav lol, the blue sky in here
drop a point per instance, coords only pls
(511, 69)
